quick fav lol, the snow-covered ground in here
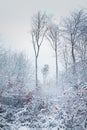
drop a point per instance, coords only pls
(48, 113)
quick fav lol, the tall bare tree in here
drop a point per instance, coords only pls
(39, 28)
(53, 37)
(73, 28)
(81, 49)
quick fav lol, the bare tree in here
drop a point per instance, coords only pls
(53, 37)
(73, 29)
(65, 57)
(81, 48)
(39, 28)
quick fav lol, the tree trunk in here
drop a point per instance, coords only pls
(36, 69)
(73, 58)
(0, 98)
(56, 66)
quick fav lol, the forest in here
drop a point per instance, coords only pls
(57, 103)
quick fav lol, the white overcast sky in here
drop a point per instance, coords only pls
(15, 16)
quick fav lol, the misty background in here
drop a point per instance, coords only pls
(15, 25)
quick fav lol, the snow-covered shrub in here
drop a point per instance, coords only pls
(75, 106)
(16, 73)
